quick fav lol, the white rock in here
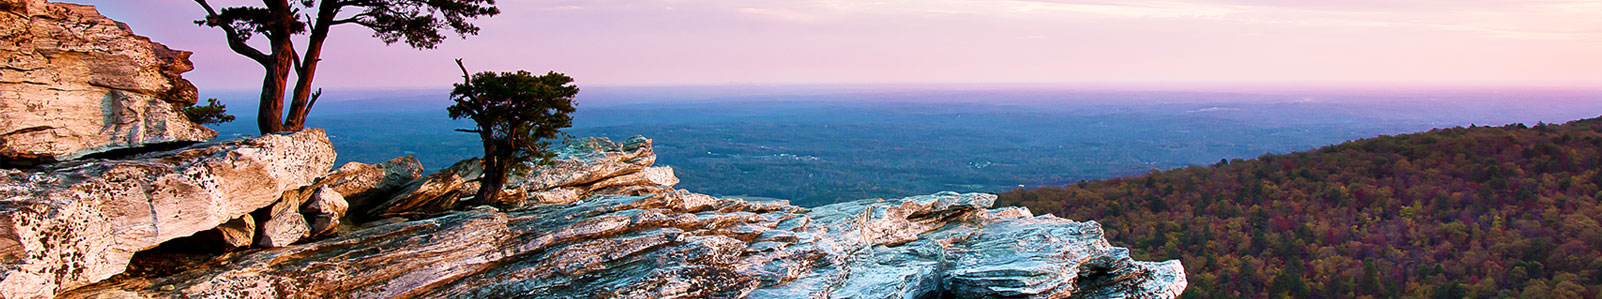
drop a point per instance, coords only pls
(323, 210)
(77, 83)
(75, 223)
(283, 224)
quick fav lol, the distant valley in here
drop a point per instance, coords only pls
(818, 145)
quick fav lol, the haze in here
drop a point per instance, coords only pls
(721, 42)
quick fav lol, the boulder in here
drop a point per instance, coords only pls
(323, 211)
(281, 224)
(78, 83)
(239, 232)
(650, 176)
(359, 184)
(430, 195)
(584, 161)
(685, 245)
(69, 224)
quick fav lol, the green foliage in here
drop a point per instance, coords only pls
(517, 108)
(251, 21)
(517, 114)
(1477, 212)
(212, 112)
(401, 20)
(420, 23)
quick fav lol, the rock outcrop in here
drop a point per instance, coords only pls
(77, 83)
(68, 224)
(581, 168)
(657, 242)
(361, 184)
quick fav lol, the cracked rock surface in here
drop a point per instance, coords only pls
(77, 83)
(74, 223)
(660, 242)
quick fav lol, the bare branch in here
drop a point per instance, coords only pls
(465, 76)
(314, 96)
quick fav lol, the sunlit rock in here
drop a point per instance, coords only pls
(68, 224)
(686, 244)
(78, 83)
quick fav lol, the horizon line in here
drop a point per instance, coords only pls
(1118, 85)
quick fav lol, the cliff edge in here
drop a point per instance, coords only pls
(106, 172)
(625, 236)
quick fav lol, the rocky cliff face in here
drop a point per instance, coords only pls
(68, 224)
(601, 221)
(77, 83)
(646, 240)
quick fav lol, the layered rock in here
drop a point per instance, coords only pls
(77, 83)
(580, 168)
(68, 224)
(362, 184)
(657, 242)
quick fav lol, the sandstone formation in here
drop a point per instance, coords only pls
(77, 83)
(68, 224)
(656, 242)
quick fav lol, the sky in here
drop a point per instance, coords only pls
(790, 42)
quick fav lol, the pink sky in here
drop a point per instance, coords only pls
(684, 42)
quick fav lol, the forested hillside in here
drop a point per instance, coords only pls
(1479, 212)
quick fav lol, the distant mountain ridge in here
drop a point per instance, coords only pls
(1479, 212)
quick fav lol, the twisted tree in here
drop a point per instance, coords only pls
(517, 115)
(419, 23)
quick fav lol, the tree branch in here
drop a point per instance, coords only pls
(314, 97)
(465, 77)
(469, 131)
(352, 19)
(234, 41)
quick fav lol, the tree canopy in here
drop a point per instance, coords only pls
(517, 114)
(1481, 212)
(421, 24)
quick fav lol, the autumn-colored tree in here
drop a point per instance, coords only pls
(1479, 212)
(516, 116)
(419, 23)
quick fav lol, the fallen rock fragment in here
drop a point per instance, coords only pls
(239, 232)
(281, 224)
(323, 211)
(360, 184)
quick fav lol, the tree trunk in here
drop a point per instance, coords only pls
(496, 156)
(272, 101)
(301, 99)
(277, 67)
